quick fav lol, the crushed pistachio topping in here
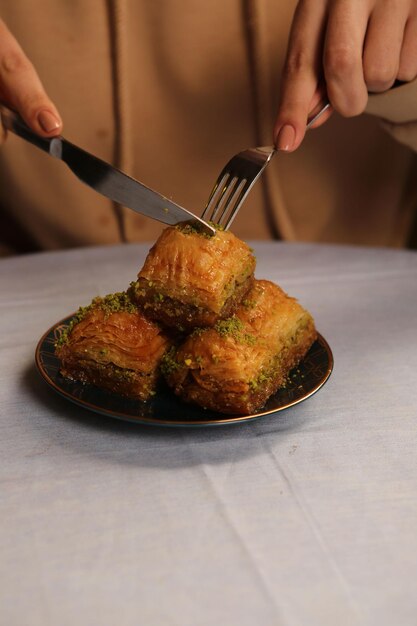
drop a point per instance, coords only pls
(112, 303)
(248, 304)
(234, 327)
(197, 332)
(230, 326)
(260, 380)
(169, 364)
(124, 375)
(115, 303)
(188, 228)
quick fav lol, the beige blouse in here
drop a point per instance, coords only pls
(169, 91)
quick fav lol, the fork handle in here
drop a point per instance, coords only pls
(317, 112)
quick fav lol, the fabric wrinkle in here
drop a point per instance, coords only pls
(224, 512)
(258, 65)
(314, 527)
(117, 17)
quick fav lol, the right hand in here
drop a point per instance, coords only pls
(22, 90)
(342, 50)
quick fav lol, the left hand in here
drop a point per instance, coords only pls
(345, 49)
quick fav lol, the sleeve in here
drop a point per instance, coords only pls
(397, 109)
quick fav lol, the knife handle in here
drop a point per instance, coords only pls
(13, 122)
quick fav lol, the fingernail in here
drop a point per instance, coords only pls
(286, 138)
(48, 121)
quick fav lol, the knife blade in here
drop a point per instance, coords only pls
(103, 177)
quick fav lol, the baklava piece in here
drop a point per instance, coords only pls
(112, 345)
(238, 364)
(190, 279)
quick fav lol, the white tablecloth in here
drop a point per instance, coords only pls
(303, 518)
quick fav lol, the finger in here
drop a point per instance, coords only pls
(21, 88)
(382, 48)
(407, 69)
(300, 75)
(342, 56)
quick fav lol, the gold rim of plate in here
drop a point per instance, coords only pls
(310, 376)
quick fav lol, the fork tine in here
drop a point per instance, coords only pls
(219, 203)
(238, 177)
(224, 202)
(234, 183)
(217, 191)
(244, 190)
(231, 202)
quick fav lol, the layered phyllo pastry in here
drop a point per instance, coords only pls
(235, 366)
(112, 345)
(190, 279)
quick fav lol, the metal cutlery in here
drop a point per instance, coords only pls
(238, 177)
(103, 177)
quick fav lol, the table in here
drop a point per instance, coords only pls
(306, 517)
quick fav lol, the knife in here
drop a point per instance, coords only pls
(103, 177)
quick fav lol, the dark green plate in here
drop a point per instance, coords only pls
(164, 409)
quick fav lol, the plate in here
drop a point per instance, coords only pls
(165, 409)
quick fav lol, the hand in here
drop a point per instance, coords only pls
(345, 49)
(22, 90)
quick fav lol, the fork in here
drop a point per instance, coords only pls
(238, 177)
